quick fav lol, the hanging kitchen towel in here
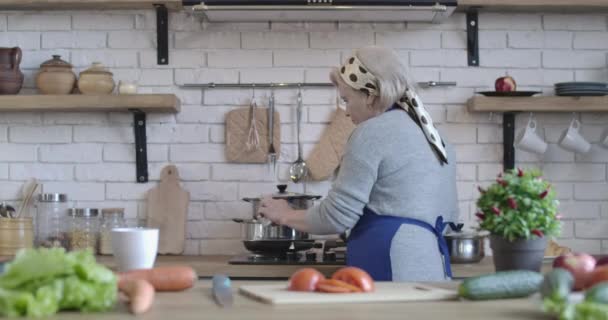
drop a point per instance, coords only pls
(327, 154)
(238, 134)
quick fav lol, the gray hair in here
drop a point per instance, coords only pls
(391, 73)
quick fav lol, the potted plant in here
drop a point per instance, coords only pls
(520, 212)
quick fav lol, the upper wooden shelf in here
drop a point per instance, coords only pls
(538, 104)
(537, 5)
(164, 103)
(86, 4)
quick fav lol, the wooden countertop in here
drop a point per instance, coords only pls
(197, 303)
(207, 266)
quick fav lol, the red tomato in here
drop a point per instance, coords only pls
(600, 274)
(336, 286)
(305, 279)
(356, 277)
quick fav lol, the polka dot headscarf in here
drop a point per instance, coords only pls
(356, 75)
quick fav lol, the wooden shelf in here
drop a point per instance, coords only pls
(538, 104)
(538, 5)
(86, 4)
(165, 103)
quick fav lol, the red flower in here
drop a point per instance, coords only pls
(512, 203)
(543, 194)
(496, 211)
(538, 233)
(481, 190)
(520, 173)
(502, 182)
(480, 215)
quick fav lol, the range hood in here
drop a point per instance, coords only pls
(324, 10)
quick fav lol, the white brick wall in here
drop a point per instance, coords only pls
(91, 156)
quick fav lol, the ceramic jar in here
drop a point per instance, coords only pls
(11, 77)
(96, 80)
(55, 77)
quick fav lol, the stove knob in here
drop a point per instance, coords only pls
(311, 256)
(329, 256)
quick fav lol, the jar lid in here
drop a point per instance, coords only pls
(96, 68)
(84, 212)
(52, 197)
(107, 212)
(56, 62)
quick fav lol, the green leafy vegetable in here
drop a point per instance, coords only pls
(40, 282)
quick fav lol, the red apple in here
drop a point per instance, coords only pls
(505, 84)
(580, 266)
(600, 274)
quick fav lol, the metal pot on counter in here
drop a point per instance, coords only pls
(265, 237)
(466, 246)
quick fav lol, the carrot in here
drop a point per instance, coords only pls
(140, 293)
(174, 278)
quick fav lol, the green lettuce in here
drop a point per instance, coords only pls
(40, 282)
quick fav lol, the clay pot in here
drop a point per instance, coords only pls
(11, 77)
(96, 80)
(55, 77)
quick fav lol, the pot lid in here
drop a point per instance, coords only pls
(56, 62)
(284, 194)
(96, 68)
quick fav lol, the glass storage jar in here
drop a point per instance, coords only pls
(111, 218)
(84, 228)
(51, 216)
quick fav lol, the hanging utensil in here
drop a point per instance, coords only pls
(298, 169)
(272, 153)
(253, 137)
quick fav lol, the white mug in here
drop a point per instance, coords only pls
(134, 248)
(572, 140)
(527, 139)
(125, 87)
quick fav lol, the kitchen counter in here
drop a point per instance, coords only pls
(207, 266)
(197, 303)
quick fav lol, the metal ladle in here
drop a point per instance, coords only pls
(298, 169)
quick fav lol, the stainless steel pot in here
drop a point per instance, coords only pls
(256, 230)
(466, 247)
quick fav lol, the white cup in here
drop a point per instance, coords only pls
(125, 87)
(572, 140)
(527, 139)
(134, 248)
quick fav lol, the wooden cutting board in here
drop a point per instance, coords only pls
(385, 292)
(168, 211)
(237, 131)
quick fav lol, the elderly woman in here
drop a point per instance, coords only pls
(396, 181)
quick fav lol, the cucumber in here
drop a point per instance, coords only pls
(557, 285)
(501, 285)
(598, 293)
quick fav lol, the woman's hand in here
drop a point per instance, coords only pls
(275, 210)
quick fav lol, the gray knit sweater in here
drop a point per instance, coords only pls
(390, 167)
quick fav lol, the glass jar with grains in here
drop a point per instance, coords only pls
(84, 228)
(111, 218)
(51, 217)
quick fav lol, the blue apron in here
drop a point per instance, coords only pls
(369, 242)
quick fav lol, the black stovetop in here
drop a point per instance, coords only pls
(311, 257)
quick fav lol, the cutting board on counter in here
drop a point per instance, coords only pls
(238, 123)
(385, 292)
(168, 211)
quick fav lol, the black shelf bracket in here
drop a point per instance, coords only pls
(141, 149)
(508, 135)
(162, 34)
(473, 37)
